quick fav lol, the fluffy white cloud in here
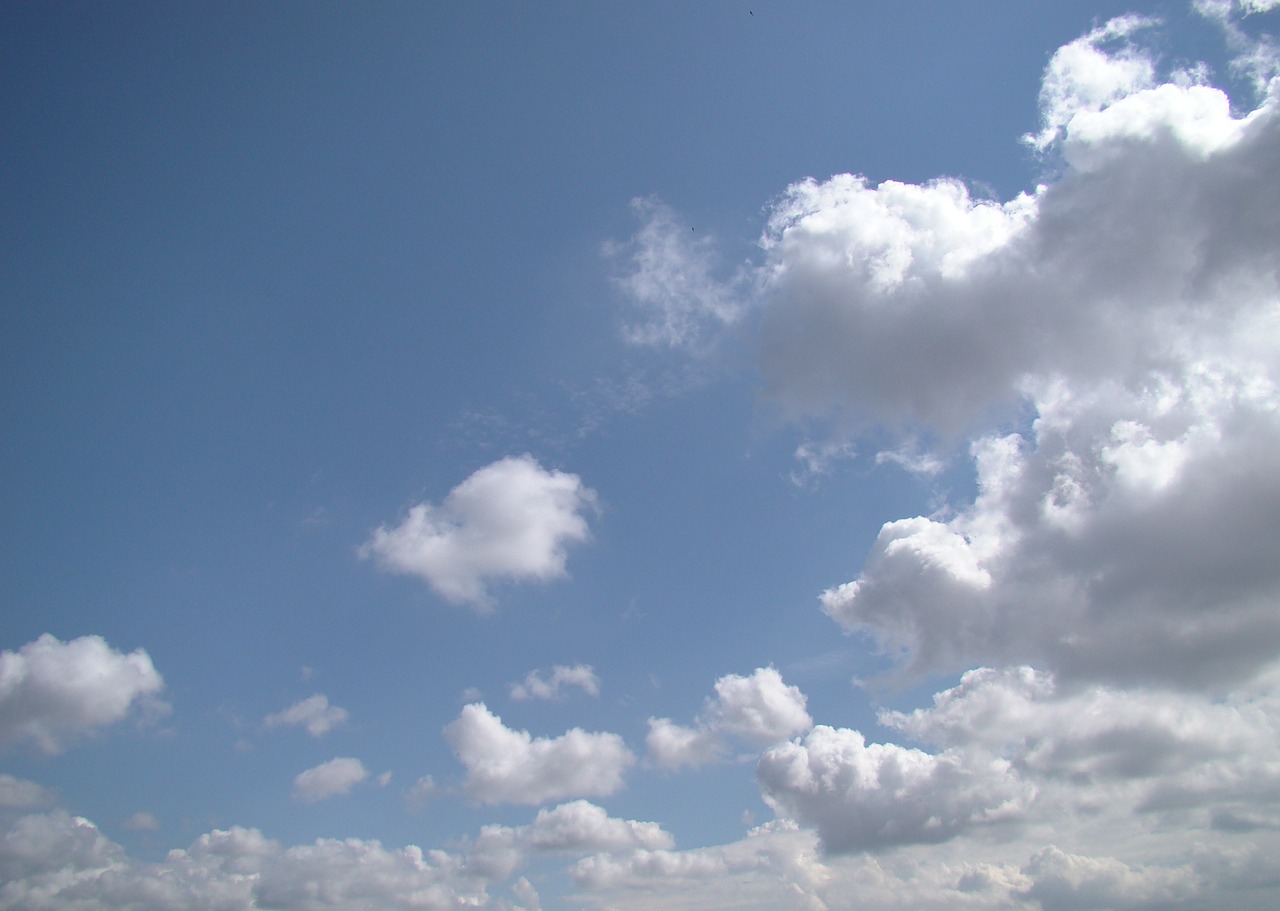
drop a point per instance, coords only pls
(1131, 303)
(511, 520)
(509, 766)
(329, 779)
(55, 860)
(760, 709)
(1124, 538)
(53, 692)
(575, 827)
(313, 713)
(862, 796)
(537, 686)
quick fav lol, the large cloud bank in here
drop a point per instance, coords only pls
(1108, 344)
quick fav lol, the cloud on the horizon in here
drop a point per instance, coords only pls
(313, 713)
(52, 693)
(329, 779)
(511, 766)
(759, 710)
(536, 685)
(511, 520)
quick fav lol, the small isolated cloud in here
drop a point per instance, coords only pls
(313, 713)
(508, 766)
(671, 284)
(421, 793)
(20, 794)
(142, 821)
(817, 459)
(54, 692)
(537, 686)
(512, 520)
(329, 779)
(760, 709)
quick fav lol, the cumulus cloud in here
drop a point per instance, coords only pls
(862, 796)
(510, 766)
(54, 692)
(313, 713)
(760, 709)
(575, 827)
(537, 686)
(511, 520)
(1130, 306)
(329, 779)
(55, 860)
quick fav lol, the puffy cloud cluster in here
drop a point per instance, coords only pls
(1132, 306)
(53, 859)
(538, 686)
(575, 827)
(56, 860)
(510, 766)
(862, 796)
(1109, 344)
(313, 713)
(511, 520)
(760, 709)
(54, 692)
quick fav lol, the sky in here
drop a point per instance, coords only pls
(607, 457)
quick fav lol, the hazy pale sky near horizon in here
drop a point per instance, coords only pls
(617, 456)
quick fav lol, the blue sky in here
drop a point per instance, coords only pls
(657, 455)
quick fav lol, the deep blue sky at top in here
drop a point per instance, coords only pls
(271, 272)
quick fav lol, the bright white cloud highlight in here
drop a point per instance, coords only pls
(760, 709)
(54, 692)
(552, 686)
(313, 713)
(509, 766)
(329, 779)
(509, 521)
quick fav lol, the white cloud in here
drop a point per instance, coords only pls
(53, 692)
(511, 520)
(329, 779)
(142, 821)
(55, 860)
(862, 796)
(421, 792)
(20, 794)
(536, 686)
(672, 745)
(1135, 307)
(1085, 76)
(575, 827)
(760, 709)
(509, 766)
(1124, 538)
(313, 713)
(670, 280)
